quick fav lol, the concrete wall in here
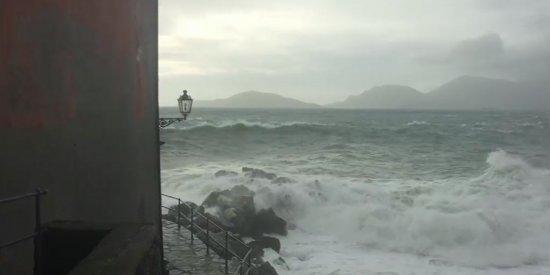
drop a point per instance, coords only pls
(78, 114)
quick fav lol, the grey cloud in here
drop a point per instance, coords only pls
(488, 55)
(348, 47)
(480, 49)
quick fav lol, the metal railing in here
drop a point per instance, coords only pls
(37, 234)
(194, 220)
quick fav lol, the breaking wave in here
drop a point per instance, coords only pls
(244, 126)
(499, 218)
(415, 123)
(439, 193)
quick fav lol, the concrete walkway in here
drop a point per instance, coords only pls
(186, 258)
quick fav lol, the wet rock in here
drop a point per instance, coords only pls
(235, 207)
(264, 269)
(230, 214)
(266, 242)
(235, 210)
(258, 173)
(267, 222)
(212, 200)
(281, 180)
(291, 226)
(241, 190)
(275, 259)
(238, 197)
(281, 262)
(225, 173)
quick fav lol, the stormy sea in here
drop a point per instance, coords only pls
(380, 192)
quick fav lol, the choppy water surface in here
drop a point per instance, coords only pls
(400, 192)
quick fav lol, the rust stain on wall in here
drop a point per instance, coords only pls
(53, 51)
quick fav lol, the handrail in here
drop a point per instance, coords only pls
(228, 253)
(37, 234)
(8, 244)
(38, 192)
(204, 217)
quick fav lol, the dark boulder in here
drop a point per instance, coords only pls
(266, 222)
(225, 173)
(266, 242)
(238, 197)
(281, 180)
(212, 199)
(258, 173)
(235, 209)
(264, 269)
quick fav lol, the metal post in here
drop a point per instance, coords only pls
(179, 213)
(192, 222)
(207, 235)
(226, 252)
(249, 256)
(38, 232)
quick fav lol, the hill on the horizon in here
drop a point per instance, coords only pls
(255, 99)
(382, 97)
(472, 93)
(462, 93)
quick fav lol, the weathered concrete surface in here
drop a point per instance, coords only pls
(65, 244)
(128, 249)
(78, 114)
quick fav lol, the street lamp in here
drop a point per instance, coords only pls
(185, 102)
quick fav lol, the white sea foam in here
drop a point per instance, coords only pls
(499, 219)
(197, 123)
(416, 122)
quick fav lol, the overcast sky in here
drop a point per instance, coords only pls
(322, 51)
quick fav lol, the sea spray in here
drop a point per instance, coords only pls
(466, 193)
(500, 218)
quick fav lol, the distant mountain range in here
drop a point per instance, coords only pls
(469, 92)
(383, 97)
(463, 93)
(254, 99)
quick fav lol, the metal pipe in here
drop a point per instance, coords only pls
(207, 236)
(4, 245)
(249, 259)
(168, 196)
(179, 213)
(226, 253)
(192, 224)
(38, 232)
(36, 193)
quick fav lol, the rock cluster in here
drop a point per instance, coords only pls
(225, 173)
(234, 210)
(258, 173)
